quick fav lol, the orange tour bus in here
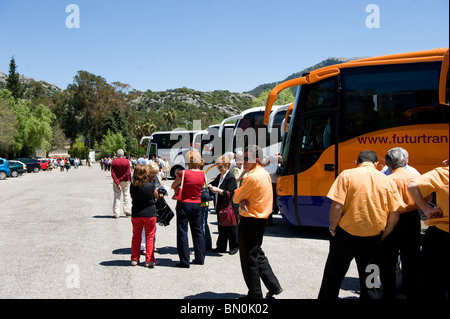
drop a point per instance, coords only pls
(375, 103)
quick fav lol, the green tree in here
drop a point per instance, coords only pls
(13, 82)
(285, 97)
(8, 120)
(34, 130)
(170, 116)
(58, 140)
(87, 101)
(143, 127)
(115, 121)
(112, 142)
(78, 149)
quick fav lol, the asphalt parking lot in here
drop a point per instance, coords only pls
(58, 240)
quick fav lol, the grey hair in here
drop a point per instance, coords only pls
(395, 158)
(404, 152)
(120, 153)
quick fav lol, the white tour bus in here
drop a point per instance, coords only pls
(170, 144)
(210, 146)
(250, 129)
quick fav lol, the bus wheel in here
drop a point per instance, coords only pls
(174, 172)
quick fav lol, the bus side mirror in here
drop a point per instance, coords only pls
(273, 95)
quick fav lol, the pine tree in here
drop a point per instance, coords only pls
(12, 81)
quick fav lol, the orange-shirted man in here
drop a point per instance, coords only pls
(436, 242)
(365, 204)
(255, 205)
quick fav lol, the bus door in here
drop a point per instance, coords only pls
(152, 150)
(315, 167)
(311, 154)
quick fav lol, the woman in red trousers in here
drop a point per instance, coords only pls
(143, 213)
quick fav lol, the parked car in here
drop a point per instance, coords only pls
(50, 164)
(32, 164)
(17, 168)
(4, 169)
(43, 163)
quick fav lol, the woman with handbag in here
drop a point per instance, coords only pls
(224, 185)
(188, 210)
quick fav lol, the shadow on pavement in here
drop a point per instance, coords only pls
(108, 216)
(116, 263)
(214, 295)
(280, 228)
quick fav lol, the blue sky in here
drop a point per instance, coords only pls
(207, 45)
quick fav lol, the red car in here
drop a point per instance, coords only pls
(43, 163)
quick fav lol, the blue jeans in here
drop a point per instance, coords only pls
(205, 228)
(189, 214)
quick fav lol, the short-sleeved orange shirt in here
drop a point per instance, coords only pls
(257, 189)
(402, 177)
(436, 180)
(368, 196)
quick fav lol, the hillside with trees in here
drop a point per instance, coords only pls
(92, 113)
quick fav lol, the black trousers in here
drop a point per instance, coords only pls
(227, 234)
(255, 265)
(189, 214)
(435, 264)
(343, 248)
(405, 238)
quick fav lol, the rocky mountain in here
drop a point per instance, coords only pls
(220, 103)
(30, 83)
(224, 102)
(327, 62)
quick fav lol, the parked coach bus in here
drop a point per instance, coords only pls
(211, 146)
(251, 129)
(375, 103)
(171, 144)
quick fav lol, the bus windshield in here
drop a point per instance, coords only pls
(171, 145)
(172, 139)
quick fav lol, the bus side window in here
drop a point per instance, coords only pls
(389, 96)
(316, 135)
